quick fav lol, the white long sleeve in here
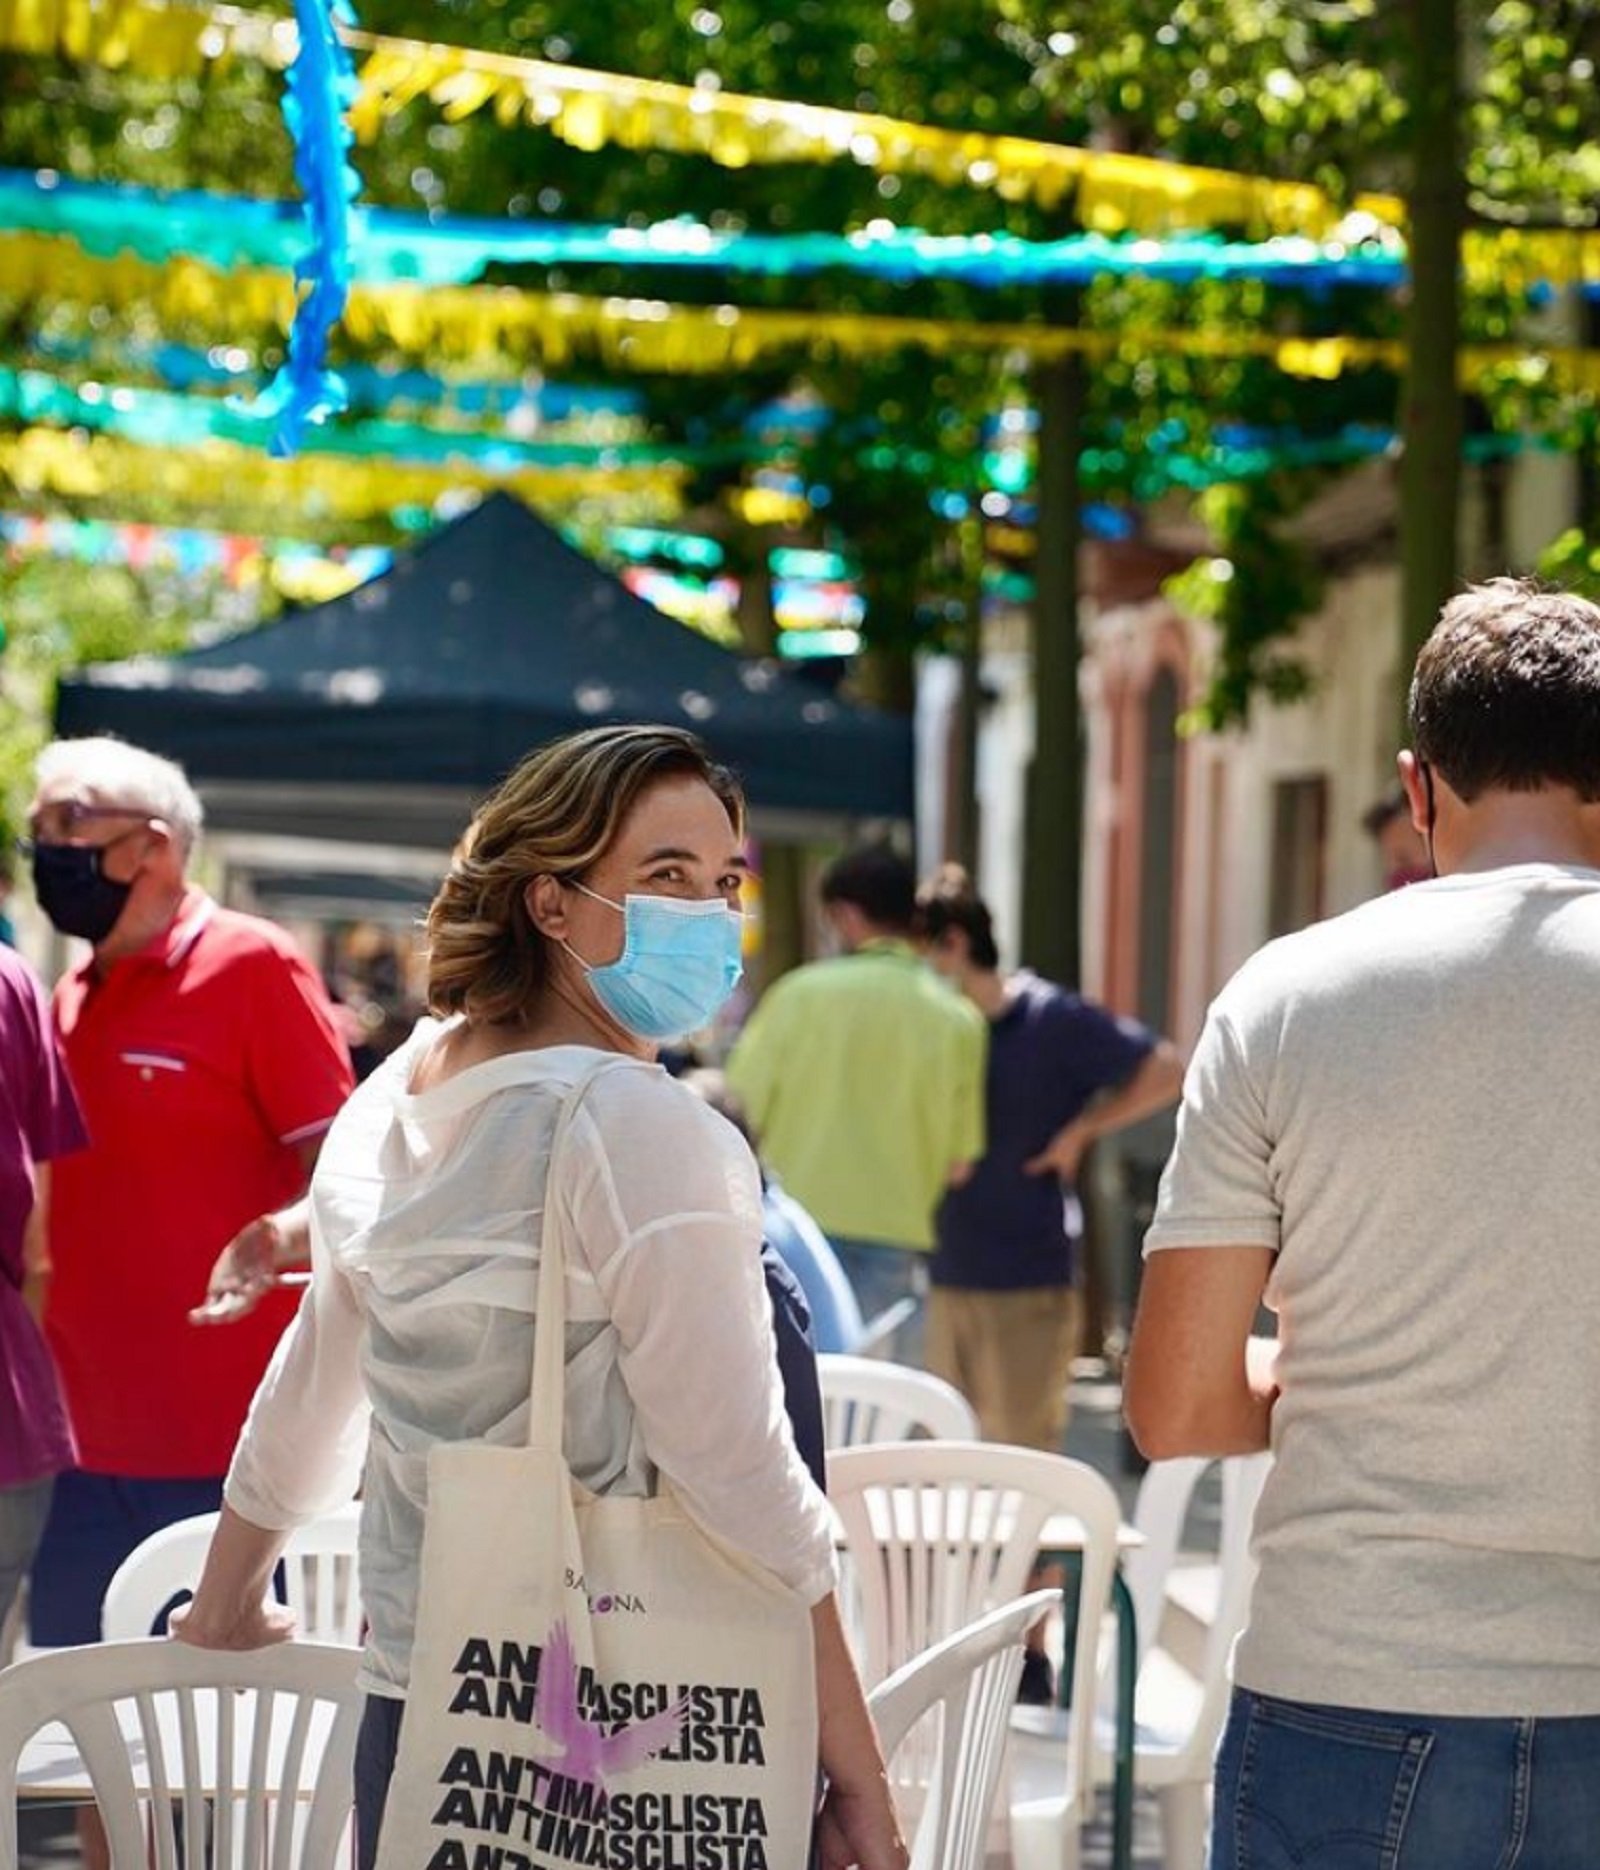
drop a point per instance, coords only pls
(301, 1448)
(427, 1217)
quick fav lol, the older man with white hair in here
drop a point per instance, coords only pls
(208, 1064)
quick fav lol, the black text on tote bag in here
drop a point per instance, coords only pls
(595, 1681)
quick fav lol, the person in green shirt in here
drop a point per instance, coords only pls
(863, 1079)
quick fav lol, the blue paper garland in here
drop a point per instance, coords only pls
(319, 89)
(384, 245)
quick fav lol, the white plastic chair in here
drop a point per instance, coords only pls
(938, 1533)
(942, 1721)
(878, 1333)
(867, 1400)
(1178, 1712)
(319, 1566)
(235, 1759)
(1178, 1716)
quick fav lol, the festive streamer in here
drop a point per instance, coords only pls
(160, 42)
(160, 419)
(386, 244)
(307, 573)
(498, 327)
(42, 462)
(486, 329)
(334, 491)
(592, 109)
(318, 91)
(303, 572)
(531, 401)
(588, 109)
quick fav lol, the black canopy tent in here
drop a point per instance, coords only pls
(380, 716)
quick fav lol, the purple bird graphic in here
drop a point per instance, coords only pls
(585, 1751)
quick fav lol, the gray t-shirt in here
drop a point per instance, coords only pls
(1404, 1103)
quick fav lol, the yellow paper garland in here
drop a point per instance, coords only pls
(499, 330)
(331, 489)
(591, 110)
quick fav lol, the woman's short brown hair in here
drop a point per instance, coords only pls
(556, 815)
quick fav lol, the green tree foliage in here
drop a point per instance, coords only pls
(1258, 576)
(1321, 91)
(1301, 89)
(60, 614)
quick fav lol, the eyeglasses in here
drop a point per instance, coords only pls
(62, 822)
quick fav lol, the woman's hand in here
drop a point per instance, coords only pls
(232, 1607)
(241, 1626)
(244, 1273)
(858, 1830)
(252, 1263)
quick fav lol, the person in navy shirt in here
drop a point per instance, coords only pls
(1004, 1315)
(1004, 1312)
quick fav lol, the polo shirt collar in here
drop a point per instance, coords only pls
(890, 944)
(184, 930)
(172, 946)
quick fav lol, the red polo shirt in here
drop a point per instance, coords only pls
(201, 1063)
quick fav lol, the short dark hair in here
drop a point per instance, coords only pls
(878, 881)
(948, 901)
(1506, 694)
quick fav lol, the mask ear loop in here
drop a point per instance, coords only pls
(1427, 789)
(573, 884)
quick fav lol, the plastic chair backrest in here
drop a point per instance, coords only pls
(1243, 1477)
(938, 1534)
(942, 1720)
(233, 1758)
(867, 1400)
(319, 1572)
(1159, 1513)
(878, 1333)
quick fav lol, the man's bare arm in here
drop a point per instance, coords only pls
(36, 1263)
(1154, 1086)
(1196, 1381)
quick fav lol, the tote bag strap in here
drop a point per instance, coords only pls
(547, 1395)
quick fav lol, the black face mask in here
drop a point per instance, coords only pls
(74, 891)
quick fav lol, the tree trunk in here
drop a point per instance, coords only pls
(965, 831)
(782, 910)
(885, 677)
(1431, 415)
(1052, 861)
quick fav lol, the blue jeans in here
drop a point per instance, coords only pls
(23, 1511)
(881, 1276)
(1305, 1787)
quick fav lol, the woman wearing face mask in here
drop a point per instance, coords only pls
(590, 912)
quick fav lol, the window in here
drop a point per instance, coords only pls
(1158, 863)
(1299, 846)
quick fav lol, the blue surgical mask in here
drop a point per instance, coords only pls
(679, 962)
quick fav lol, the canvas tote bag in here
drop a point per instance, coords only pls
(594, 1681)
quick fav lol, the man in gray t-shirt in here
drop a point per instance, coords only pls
(1390, 1135)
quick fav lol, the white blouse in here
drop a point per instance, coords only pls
(426, 1215)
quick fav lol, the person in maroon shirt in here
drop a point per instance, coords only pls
(39, 1120)
(209, 1065)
